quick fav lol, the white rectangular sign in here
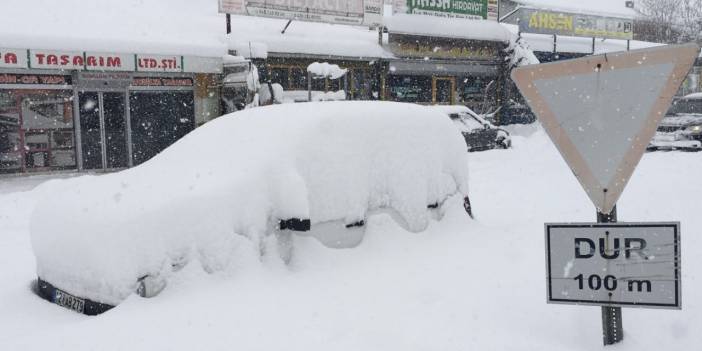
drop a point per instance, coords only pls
(13, 58)
(159, 63)
(614, 264)
(53, 59)
(353, 12)
(98, 61)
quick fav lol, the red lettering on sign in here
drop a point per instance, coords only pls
(52, 79)
(64, 60)
(29, 80)
(10, 58)
(40, 58)
(8, 79)
(52, 60)
(90, 61)
(114, 62)
(78, 60)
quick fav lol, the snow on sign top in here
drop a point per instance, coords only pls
(601, 111)
(353, 12)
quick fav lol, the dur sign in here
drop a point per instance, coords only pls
(601, 111)
(614, 264)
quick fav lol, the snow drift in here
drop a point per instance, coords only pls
(220, 193)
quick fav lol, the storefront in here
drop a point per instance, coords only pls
(290, 71)
(429, 68)
(94, 111)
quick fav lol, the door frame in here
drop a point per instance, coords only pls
(103, 137)
(452, 93)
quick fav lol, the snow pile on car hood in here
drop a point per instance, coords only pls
(215, 195)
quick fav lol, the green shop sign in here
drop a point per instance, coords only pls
(474, 9)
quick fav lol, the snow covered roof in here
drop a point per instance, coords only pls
(447, 27)
(320, 39)
(544, 42)
(592, 7)
(182, 27)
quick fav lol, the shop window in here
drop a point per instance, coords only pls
(298, 79)
(361, 84)
(10, 147)
(36, 130)
(158, 119)
(410, 89)
(319, 84)
(280, 75)
(90, 134)
(335, 84)
(473, 91)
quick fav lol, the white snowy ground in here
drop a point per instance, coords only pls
(461, 285)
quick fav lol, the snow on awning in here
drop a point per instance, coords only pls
(593, 7)
(306, 38)
(326, 70)
(447, 27)
(581, 45)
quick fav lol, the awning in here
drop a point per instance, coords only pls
(447, 68)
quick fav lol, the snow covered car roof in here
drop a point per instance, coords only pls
(216, 194)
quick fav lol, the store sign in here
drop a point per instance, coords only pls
(51, 59)
(13, 58)
(415, 46)
(161, 82)
(614, 264)
(103, 62)
(353, 12)
(471, 9)
(27, 79)
(159, 63)
(108, 62)
(102, 80)
(574, 24)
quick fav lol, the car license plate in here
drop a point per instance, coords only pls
(67, 300)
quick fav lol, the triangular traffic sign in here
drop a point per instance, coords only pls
(601, 111)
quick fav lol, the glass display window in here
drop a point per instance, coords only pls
(36, 130)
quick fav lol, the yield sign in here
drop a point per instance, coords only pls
(602, 111)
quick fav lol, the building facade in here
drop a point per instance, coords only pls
(74, 111)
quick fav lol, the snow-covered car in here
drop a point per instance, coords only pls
(478, 133)
(681, 128)
(240, 187)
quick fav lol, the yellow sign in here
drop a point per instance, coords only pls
(574, 24)
(550, 20)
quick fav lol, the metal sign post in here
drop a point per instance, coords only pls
(612, 329)
(601, 112)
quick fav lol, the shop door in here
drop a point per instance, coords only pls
(442, 89)
(103, 130)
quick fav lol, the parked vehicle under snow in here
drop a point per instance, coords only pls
(478, 133)
(241, 185)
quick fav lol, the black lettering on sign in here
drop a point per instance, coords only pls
(582, 244)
